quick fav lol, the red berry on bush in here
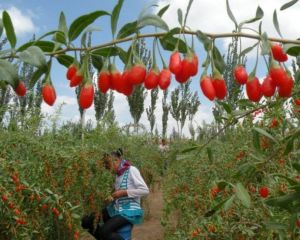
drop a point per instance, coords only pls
(240, 74)
(253, 90)
(274, 123)
(264, 192)
(278, 53)
(127, 87)
(207, 88)
(285, 90)
(164, 79)
(71, 72)
(137, 74)
(214, 191)
(4, 198)
(175, 63)
(189, 67)
(49, 94)
(298, 223)
(278, 75)
(11, 205)
(219, 86)
(104, 81)
(20, 221)
(151, 80)
(268, 87)
(20, 89)
(297, 102)
(76, 79)
(86, 96)
(115, 79)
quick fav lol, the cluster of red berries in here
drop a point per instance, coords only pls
(214, 191)
(20, 218)
(277, 78)
(124, 82)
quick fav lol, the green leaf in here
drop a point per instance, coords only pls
(33, 56)
(65, 60)
(188, 11)
(276, 24)
(266, 134)
(115, 16)
(190, 149)
(265, 44)
(62, 26)
(256, 140)
(292, 49)
(290, 181)
(61, 217)
(36, 76)
(62, 34)
(163, 10)
(245, 103)
(243, 195)
(79, 24)
(60, 37)
(285, 201)
(127, 30)
(97, 62)
(45, 46)
(230, 14)
(229, 203)
(222, 184)
(288, 4)
(48, 191)
(296, 166)
(206, 41)
(47, 34)
(9, 73)
(275, 226)
(218, 60)
(179, 16)
(9, 29)
(209, 154)
(248, 49)
(75, 216)
(289, 146)
(168, 42)
(152, 20)
(1, 27)
(259, 15)
(226, 107)
(111, 51)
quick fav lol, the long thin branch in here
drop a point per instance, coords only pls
(150, 35)
(161, 34)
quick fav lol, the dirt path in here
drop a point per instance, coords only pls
(151, 228)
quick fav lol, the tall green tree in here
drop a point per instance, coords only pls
(151, 109)
(109, 114)
(192, 110)
(181, 101)
(165, 115)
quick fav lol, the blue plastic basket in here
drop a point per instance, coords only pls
(125, 232)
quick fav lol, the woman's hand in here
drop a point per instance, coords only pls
(119, 193)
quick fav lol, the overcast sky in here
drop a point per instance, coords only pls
(40, 16)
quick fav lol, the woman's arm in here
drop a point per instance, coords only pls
(139, 188)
